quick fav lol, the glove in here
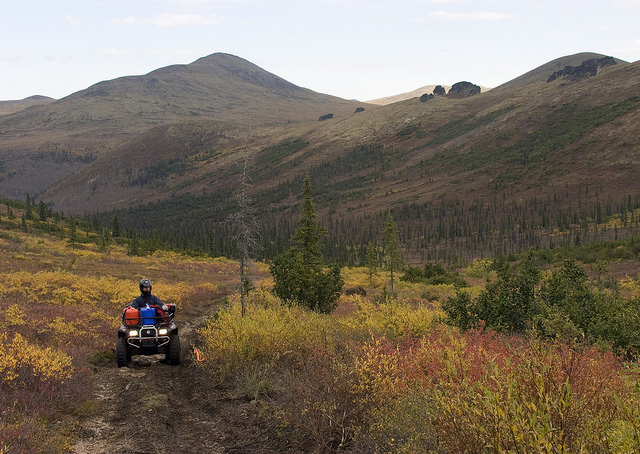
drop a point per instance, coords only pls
(165, 308)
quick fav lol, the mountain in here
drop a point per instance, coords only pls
(532, 162)
(219, 87)
(9, 107)
(45, 143)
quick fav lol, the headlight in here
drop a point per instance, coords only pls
(133, 333)
(163, 331)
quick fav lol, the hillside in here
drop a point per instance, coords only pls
(543, 160)
(219, 87)
(529, 163)
(9, 107)
(542, 72)
(42, 145)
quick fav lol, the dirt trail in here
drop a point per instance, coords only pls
(154, 408)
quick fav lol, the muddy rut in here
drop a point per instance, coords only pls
(153, 408)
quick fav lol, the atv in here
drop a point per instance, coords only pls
(148, 331)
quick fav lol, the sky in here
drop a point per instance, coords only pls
(354, 49)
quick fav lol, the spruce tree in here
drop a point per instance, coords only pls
(309, 232)
(133, 248)
(42, 211)
(115, 229)
(29, 211)
(103, 245)
(300, 275)
(391, 245)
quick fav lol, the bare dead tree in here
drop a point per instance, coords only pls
(245, 228)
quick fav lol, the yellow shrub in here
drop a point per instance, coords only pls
(629, 284)
(64, 296)
(174, 293)
(209, 286)
(65, 288)
(14, 316)
(45, 363)
(268, 334)
(479, 269)
(356, 276)
(60, 328)
(264, 298)
(378, 375)
(8, 361)
(392, 319)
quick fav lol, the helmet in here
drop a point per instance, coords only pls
(145, 283)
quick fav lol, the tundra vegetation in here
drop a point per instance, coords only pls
(522, 353)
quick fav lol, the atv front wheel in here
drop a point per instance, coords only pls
(123, 356)
(173, 351)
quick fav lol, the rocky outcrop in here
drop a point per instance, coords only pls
(463, 90)
(588, 68)
(325, 117)
(437, 91)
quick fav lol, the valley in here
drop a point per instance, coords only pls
(537, 157)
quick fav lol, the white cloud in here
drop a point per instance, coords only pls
(73, 21)
(173, 20)
(474, 16)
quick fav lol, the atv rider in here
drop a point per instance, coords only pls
(146, 298)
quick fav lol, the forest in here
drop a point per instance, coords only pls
(449, 230)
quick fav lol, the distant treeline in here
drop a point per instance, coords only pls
(450, 230)
(58, 154)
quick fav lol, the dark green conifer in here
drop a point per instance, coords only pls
(391, 245)
(115, 229)
(300, 275)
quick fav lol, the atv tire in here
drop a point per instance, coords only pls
(123, 356)
(173, 351)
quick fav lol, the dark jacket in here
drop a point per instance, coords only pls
(143, 300)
